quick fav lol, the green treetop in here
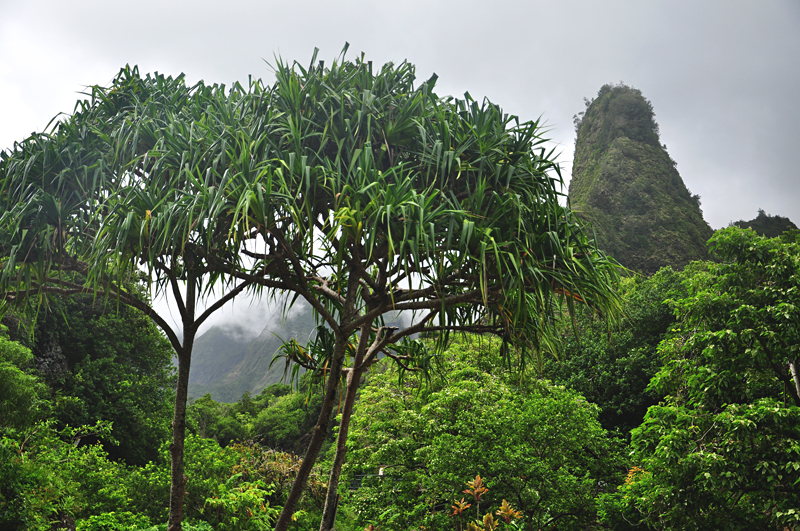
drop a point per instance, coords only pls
(722, 451)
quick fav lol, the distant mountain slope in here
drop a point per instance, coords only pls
(626, 185)
(207, 359)
(226, 364)
(766, 225)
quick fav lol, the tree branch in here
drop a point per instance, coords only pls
(781, 374)
(221, 302)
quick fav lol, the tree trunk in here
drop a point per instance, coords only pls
(178, 480)
(332, 498)
(317, 437)
(795, 377)
(178, 484)
(353, 379)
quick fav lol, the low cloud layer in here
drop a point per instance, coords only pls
(246, 317)
(722, 75)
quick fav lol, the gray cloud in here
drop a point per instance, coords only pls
(722, 75)
(245, 317)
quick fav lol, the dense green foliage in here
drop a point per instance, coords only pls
(537, 445)
(612, 365)
(722, 451)
(20, 391)
(50, 474)
(627, 186)
(226, 476)
(767, 225)
(278, 417)
(93, 366)
(45, 478)
(114, 365)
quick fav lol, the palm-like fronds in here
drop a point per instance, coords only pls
(351, 188)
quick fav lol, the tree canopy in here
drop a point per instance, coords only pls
(349, 187)
(721, 451)
(612, 366)
(537, 445)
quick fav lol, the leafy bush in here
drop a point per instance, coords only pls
(412, 449)
(241, 506)
(45, 477)
(186, 526)
(113, 521)
(21, 393)
(722, 450)
(278, 417)
(612, 366)
(220, 480)
(117, 367)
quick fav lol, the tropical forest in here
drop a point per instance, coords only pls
(457, 340)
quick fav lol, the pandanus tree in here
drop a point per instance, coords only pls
(352, 189)
(119, 188)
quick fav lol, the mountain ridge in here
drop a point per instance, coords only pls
(226, 364)
(767, 225)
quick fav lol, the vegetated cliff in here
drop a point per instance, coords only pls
(766, 225)
(627, 187)
(226, 363)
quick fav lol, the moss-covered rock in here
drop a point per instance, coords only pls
(627, 187)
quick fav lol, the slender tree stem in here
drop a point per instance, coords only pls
(796, 378)
(178, 477)
(353, 379)
(317, 437)
(332, 497)
(331, 386)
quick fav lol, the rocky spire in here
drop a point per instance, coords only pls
(627, 187)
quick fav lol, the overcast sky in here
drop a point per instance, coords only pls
(723, 77)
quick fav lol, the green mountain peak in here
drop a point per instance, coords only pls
(625, 185)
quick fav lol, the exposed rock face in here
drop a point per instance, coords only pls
(49, 358)
(627, 187)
